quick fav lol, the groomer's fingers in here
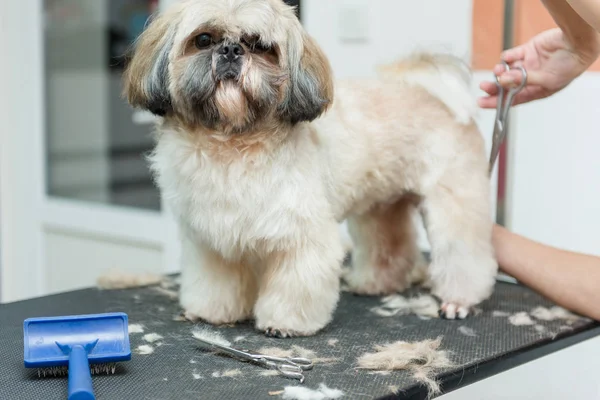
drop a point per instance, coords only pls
(534, 79)
(499, 69)
(487, 102)
(489, 87)
(530, 93)
(514, 55)
(514, 77)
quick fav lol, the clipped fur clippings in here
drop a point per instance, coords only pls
(152, 337)
(145, 349)
(205, 334)
(497, 314)
(296, 351)
(228, 373)
(304, 393)
(553, 314)
(465, 330)
(421, 358)
(269, 372)
(422, 305)
(135, 328)
(520, 319)
(114, 279)
(169, 293)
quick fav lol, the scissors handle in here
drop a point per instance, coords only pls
(288, 370)
(502, 109)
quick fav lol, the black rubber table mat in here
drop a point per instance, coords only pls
(179, 370)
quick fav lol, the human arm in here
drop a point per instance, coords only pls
(589, 10)
(569, 279)
(553, 58)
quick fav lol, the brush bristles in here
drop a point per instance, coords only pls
(95, 369)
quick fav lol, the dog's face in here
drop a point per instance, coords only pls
(229, 65)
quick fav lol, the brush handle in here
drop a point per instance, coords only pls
(80, 377)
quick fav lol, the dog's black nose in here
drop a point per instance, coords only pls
(231, 51)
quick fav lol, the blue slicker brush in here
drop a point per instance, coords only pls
(77, 345)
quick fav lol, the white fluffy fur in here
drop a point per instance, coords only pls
(520, 319)
(135, 328)
(554, 313)
(423, 305)
(260, 223)
(152, 337)
(207, 335)
(451, 84)
(304, 393)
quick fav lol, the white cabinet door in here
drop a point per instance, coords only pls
(76, 197)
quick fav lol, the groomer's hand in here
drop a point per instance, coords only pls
(551, 63)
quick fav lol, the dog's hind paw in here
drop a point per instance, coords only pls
(453, 311)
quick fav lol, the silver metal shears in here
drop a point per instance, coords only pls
(502, 108)
(290, 367)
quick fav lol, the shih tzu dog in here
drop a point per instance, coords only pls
(260, 155)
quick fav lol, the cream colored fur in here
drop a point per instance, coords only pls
(260, 213)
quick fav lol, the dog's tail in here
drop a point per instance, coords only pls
(445, 77)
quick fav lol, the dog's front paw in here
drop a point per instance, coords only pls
(217, 317)
(293, 318)
(284, 333)
(221, 310)
(286, 329)
(450, 310)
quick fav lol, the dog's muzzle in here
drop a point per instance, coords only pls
(229, 63)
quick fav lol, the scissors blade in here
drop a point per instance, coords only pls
(497, 139)
(228, 350)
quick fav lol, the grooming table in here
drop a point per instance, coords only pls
(179, 370)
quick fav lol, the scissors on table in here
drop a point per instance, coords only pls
(290, 367)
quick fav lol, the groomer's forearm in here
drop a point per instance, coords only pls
(569, 279)
(589, 10)
(580, 22)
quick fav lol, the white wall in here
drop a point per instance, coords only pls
(21, 154)
(554, 187)
(385, 30)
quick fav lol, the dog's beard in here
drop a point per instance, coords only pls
(232, 105)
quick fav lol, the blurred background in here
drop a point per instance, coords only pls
(76, 197)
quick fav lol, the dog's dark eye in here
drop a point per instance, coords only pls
(255, 45)
(203, 41)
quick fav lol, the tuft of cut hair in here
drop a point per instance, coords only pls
(207, 335)
(520, 319)
(553, 314)
(115, 279)
(304, 393)
(421, 358)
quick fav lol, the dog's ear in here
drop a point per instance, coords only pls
(309, 90)
(146, 76)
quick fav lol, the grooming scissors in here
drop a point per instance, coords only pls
(290, 367)
(502, 109)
